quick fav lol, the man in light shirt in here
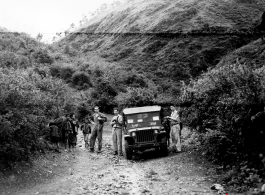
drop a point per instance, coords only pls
(175, 128)
(116, 123)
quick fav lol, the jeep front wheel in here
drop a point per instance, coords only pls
(163, 148)
(163, 151)
(128, 151)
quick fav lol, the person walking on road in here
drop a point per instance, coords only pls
(175, 128)
(86, 128)
(72, 137)
(116, 123)
(98, 119)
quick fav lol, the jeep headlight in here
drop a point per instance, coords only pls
(156, 131)
(133, 134)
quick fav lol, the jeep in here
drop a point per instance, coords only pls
(143, 130)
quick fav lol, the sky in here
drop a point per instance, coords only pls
(44, 16)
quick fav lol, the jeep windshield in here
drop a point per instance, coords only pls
(142, 117)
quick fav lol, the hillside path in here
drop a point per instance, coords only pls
(92, 173)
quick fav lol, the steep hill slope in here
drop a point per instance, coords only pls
(252, 54)
(172, 16)
(149, 36)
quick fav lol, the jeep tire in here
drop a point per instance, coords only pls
(128, 151)
(164, 151)
(163, 148)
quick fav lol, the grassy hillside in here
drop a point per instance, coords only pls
(150, 36)
(252, 54)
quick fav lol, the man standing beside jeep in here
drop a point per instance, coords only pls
(116, 123)
(175, 128)
(98, 119)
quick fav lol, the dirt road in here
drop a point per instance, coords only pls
(81, 172)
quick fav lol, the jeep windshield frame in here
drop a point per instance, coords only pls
(142, 117)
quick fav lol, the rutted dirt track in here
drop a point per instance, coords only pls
(92, 173)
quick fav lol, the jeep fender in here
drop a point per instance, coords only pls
(161, 135)
(129, 139)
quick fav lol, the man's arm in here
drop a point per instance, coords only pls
(120, 119)
(112, 122)
(101, 116)
(174, 117)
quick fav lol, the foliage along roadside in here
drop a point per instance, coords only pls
(27, 101)
(226, 106)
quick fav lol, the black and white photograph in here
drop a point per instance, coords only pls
(132, 97)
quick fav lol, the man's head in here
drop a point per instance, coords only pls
(115, 111)
(72, 115)
(96, 109)
(172, 108)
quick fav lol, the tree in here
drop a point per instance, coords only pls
(39, 37)
(72, 26)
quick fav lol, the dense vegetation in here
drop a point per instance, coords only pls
(29, 96)
(217, 80)
(187, 58)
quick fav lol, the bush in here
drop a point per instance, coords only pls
(27, 102)
(8, 59)
(42, 56)
(23, 62)
(66, 73)
(81, 80)
(135, 97)
(55, 70)
(225, 100)
(103, 95)
(83, 110)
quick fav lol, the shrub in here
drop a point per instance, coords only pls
(134, 80)
(81, 80)
(8, 59)
(42, 56)
(83, 110)
(135, 97)
(23, 62)
(55, 70)
(27, 102)
(225, 100)
(103, 95)
(66, 73)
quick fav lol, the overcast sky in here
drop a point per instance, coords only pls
(44, 16)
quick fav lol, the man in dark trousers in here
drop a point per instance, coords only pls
(72, 136)
(98, 118)
(86, 128)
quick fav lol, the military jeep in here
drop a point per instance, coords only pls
(143, 130)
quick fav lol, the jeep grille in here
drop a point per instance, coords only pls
(145, 136)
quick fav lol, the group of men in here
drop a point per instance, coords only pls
(92, 129)
(64, 129)
(117, 123)
(97, 122)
